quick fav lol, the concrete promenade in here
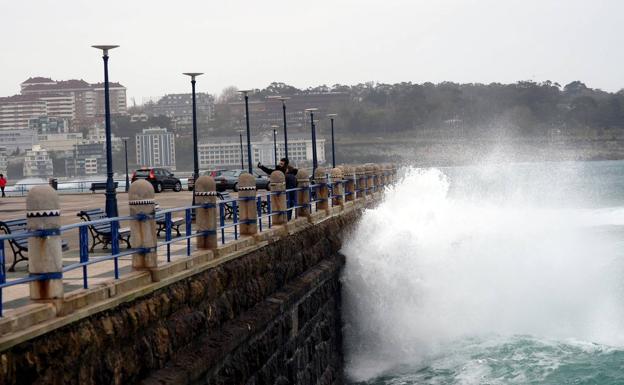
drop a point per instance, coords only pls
(71, 204)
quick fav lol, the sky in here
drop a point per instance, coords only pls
(250, 44)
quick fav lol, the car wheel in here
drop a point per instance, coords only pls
(235, 188)
(177, 187)
(158, 187)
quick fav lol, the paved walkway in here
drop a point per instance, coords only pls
(71, 204)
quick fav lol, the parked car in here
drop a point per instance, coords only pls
(160, 178)
(229, 180)
(212, 173)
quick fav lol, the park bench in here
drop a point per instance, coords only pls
(161, 222)
(20, 245)
(101, 232)
(95, 186)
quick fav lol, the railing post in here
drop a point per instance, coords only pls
(338, 190)
(247, 204)
(143, 229)
(370, 171)
(45, 254)
(206, 218)
(377, 182)
(320, 178)
(278, 197)
(303, 196)
(360, 174)
(350, 183)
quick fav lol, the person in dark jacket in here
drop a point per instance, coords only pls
(290, 174)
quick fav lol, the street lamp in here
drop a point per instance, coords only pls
(274, 127)
(195, 154)
(313, 128)
(245, 93)
(111, 194)
(332, 117)
(125, 140)
(283, 99)
(242, 157)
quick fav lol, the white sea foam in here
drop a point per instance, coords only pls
(425, 269)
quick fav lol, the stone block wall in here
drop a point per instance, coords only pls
(271, 316)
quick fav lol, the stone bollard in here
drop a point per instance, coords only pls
(350, 183)
(338, 192)
(206, 218)
(360, 175)
(143, 231)
(322, 192)
(278, 197)
(303, 196)
(45, 254)
(248, 208)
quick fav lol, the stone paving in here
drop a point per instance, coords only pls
(71, 204)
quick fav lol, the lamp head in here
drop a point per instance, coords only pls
(193, 74)
(332, 116)
(244, 92)
(105, 48)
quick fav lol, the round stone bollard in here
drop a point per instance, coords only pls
(350, 183)
(45, 254)
(322, 192)
(303, 196)
(206, 218)
(338, 191)
(248, 208)
(278, 197)
(360, 175)
(143, 230)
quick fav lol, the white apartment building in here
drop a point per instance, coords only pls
(3, 161)
(228, 153)
(38, 163)
(21, 140)
(60, 142)
(16, 111)
(155, 147)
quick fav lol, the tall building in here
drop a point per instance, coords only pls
(18, 140)
(155, 147)
(48, 125)
(87, 159)
(75, 99)
(38, 163)
(226, 153)
(16, 111)
(3, 161)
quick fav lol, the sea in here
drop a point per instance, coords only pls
(489, 274)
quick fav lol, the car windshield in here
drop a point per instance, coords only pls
(230, 173)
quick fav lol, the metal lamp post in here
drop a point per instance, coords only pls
(111, 194)
(125, 140)
(193, 75)
(274, 127)
(331, 118)
(240, 135)
(283, 99)
(313, 128)
(245, 93)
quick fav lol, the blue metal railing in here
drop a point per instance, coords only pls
(227, 207)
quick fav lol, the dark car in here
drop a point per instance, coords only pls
(212, 173)
(229, 180)
(160, 178)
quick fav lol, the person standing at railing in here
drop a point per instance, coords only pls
(291, 179)
(3, 182)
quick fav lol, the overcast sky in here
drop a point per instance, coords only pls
(252, 43)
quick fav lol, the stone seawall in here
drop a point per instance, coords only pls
(267, 316)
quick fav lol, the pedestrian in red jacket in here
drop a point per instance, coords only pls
(3, 182)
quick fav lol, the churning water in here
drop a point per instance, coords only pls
(498, 274)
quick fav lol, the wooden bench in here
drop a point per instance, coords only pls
(20, 245)
(161, 222)
(101, 186)
(101, 232)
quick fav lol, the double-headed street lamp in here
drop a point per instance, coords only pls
(331, 118)
(245, 93)
(313, 128)
(111, 197)
(193, 75)
(283, 99)
(274, 128)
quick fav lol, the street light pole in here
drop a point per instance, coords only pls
(313, 128)
(195, 154)
(111, 194)
(331, 117)
(283, 99)
(240, 134)
(125, 140)
(275, 144)
(246, 92)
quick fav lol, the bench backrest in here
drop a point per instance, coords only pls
(92, 215)
(14, 226)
